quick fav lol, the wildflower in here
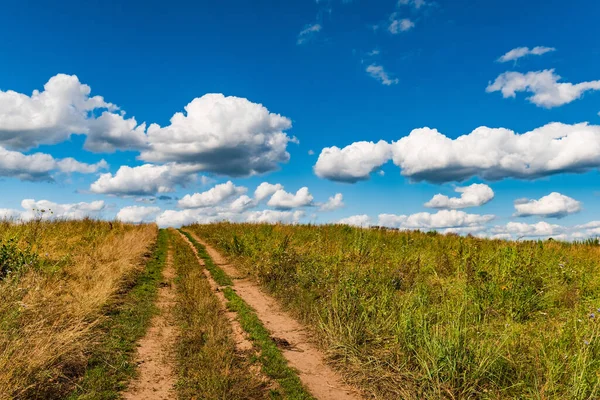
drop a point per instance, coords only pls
(587, 343)
(592, 315)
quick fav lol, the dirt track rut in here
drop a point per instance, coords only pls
(320, 379)
(155, 358)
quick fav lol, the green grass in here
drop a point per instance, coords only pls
(207, 363)
(418, 315)
(217, 273)
(111, 365)
(274, 364)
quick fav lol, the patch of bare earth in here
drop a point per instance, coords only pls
(320, 379)
(155, 355)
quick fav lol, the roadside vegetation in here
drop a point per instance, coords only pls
(274, 365)
(418, 315)
(59, 283)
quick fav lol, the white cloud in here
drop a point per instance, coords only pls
(143, 180)
(356, 220)
(225, 135)
(70, 165)
(353, 163)
(519, 52)
(39, 166)
(543, 85)
(308, 33)
(498, 153)
(400, 25)
(441, 219)
(377, 72)
(474, 195)
(137, 214)
(554, 205)
(490, 153)
(63, 108)
(265, 190)
(284, 201)
(334, 203)
(211, 197)
(176, 218)
(242, 203)
(111, 132)
(9, 214)
(544, 230)
(46, 209)
(523, 230)
(272, 216)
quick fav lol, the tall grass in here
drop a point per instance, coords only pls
(422, 315)
(56, 279)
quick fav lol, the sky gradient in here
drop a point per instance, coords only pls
(460, 116)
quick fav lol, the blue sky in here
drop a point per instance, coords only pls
(301, 88)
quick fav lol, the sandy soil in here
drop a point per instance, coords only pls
(155, 355)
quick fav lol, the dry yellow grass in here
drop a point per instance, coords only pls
(48, 310)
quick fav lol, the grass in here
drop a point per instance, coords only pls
(217, 273)
(274, 365)
(418, 315)
(111, 365)
(57, 280)
(207, 362)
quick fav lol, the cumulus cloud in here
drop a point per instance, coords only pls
(356, 220)
(284, 201)
(498, 153)
(379, 73)
(523, 230)
(543, 85)
(39, 166)
(63, 108)
(554, 205)
(111, 132)
(441, 219)
(353, 163)
(265, 190)
(273, 216)
(520, 52)
(224, 135)
(490, 153)
(46, 209)
(137, 214)
(147, 179)
(211, 197)
(9, 214)
(308, 33)
(334, 203)
(178, 218)
(474, 195)
(242, 203)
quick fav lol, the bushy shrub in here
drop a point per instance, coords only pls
(13, 259)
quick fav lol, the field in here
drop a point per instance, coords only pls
(395, 315)
(423, 315)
